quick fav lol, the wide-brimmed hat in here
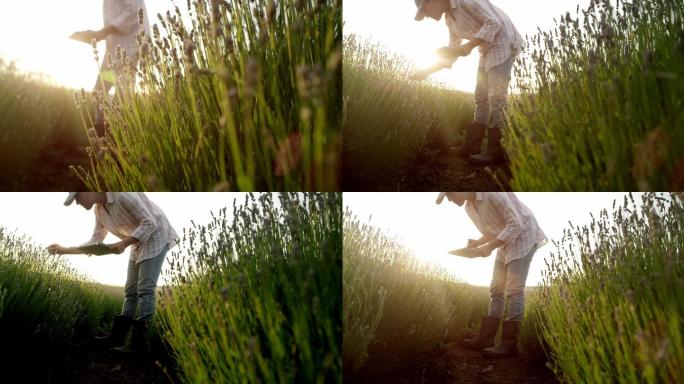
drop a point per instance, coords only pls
(70, 198)
(441, 197)
(420, 15)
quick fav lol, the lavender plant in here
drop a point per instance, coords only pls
(236, 95)
(600, 101)
(612, 310)
(255, 295)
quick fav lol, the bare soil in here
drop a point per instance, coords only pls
(84, 364)
(434, 168)
(453, 364)
(81, 362)
(50, 171)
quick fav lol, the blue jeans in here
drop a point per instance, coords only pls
(491, 93)
(141, 284)
(509, 279)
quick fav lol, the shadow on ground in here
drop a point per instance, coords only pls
(453, 364)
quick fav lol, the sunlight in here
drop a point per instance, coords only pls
(40, 44)
(73, 225)
(391, 23)
(429, 230)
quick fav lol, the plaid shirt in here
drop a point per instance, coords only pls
(480, 19)
(133, 214)
(502, 215)
(123, 15)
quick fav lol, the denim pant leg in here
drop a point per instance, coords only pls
(482, 106)
(496, 290)
(491, 93)
(499, 78)
(130, 305)
(147, 283)
(516, 272)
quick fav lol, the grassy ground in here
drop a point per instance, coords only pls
(255, 299)
(597, 106)
(42, 134)
(403, 319)
(606, 311)
(49, 314)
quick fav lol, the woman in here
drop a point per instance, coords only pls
(510, 227)
(141, 224)
(489, 28)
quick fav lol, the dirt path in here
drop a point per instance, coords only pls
(80, 362)
(440, 170)
(84, 364)
(436, 169)
(50, 171)
(453, 364)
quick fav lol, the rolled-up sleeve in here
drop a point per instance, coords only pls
(147, 224)
(454, 40)
(491, 25)
(99, 233)
(514, 226)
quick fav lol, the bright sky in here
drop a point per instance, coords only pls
(44, 218)
(430, 230)
(392, 23)
(36, 35)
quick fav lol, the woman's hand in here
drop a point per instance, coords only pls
(122, 245)
(485, 250)
(475, 243)
(56, 249)
(119, 247)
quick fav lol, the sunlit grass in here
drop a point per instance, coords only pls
(395, 308)
(45, 299)
(601, 101)
(32, 114)
(389, 119)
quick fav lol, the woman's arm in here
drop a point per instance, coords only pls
(56, 249)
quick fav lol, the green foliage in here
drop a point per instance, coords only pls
(389, 119)
(44, 298)
(245, 97)
(32, 113)
(611, 310)
(256, 296)
(601, 101)
(396, 308)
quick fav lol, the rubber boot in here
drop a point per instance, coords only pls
(117, 335)
(485, 338)
(473, 142)
(494, 153)
(509, 341)
(138, 343)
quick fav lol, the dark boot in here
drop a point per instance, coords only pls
(473, 141)
(494, 153)
(485, 338)
(138, 342)
(509, 341)
(117, 335)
